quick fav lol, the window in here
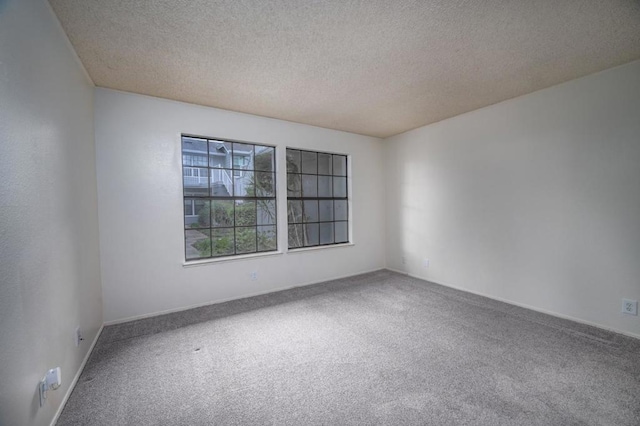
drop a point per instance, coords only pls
(229, 198)
(317, 198)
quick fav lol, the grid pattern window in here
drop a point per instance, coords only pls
(317, 199)
(229, 198)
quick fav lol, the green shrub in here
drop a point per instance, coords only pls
(203, 247)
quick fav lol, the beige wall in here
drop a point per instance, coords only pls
(49, 260)
(535, 200)
(141, 207)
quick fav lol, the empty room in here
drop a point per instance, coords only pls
(281, 212)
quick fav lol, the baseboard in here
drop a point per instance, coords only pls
(523, 305)
(230, 299)
(76, 377)
(398, 271)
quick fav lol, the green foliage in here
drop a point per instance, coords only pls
(245, 240)
(223, 245)
(222, 213)
(203, 216)
(246, 213)
(203, 247)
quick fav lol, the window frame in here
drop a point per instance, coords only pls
(233, 198)
(318, 198)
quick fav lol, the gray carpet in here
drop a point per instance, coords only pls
(379, 348)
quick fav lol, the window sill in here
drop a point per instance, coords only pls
(249, 256)
(306, 249)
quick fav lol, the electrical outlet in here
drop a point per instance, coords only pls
(254, 276)
(78, 336)
(404, 260)
(629, 307)
(51, 381)
(425, 263)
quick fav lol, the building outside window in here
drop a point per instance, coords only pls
(229, 198)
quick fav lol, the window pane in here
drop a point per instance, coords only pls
(265, 158)
(294, 211)
(220, 154)
(324, 186)
(267, 239)
(339, 165)
(222, 240)
(246, 240)
(242, 156)
(264, 184)
(296, 238)
(293, 161)
(339, 187)
(341, 212)
(309, 162)
(266, 212)
(196, 213)
(197, 243)
(221, 183)
(324, 164)
(311, 234)
(309, 186)
(194, 151)
(245, 213)
(194, 160)
(188, 207)
(342, 232)
(310, 211)
(243, 184)
(222, 213)
(326, 233)
(326, 210)
(196, 181)
(294, 185)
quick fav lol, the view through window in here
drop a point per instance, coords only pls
(229, 198)
(317, 198)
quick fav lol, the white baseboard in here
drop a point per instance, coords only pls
(76, 377)
(523, 305)
(402, 272)
(244, 296)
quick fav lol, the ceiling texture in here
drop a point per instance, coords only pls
(372, 67)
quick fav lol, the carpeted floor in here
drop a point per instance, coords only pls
(379, 348)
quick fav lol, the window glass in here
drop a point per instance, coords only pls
(309, 162)
(229, 197)
(339, 165)
(317, 198)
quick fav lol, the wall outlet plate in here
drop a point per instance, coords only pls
(629, 307)
(425, 263)
(78, 336)
(253, 276)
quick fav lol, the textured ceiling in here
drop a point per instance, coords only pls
(372, 67)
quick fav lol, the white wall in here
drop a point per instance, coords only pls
(49, 260)
(535, 200)
(141, 207)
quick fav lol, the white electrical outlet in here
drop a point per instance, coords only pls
(254, 276)
(404, 260)
(51, 381)
(78, 336)
(629, 307)
(425, 263)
